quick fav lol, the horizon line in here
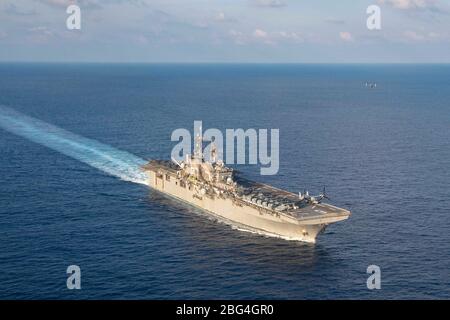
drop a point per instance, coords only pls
(218, 62)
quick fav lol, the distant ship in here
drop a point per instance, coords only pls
(217, 189)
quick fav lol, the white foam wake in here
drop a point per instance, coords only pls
(121, 164)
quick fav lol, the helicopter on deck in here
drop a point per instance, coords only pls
(305, 196)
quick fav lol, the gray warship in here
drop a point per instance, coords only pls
(219, 190)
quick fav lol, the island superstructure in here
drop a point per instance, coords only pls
(217, 189)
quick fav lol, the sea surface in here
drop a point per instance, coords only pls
(72, 135)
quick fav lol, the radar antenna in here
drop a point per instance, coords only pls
(198, 146)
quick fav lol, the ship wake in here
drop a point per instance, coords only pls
(112, 161)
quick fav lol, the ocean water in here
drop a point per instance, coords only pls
(71, 137)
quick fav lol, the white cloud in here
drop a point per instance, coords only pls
(346, 36)
(220, 16)
(238, 37)
(404, 4)
(93, 4)
(41, 30)
(258, 33)
(40, 35)
(289, 36)
(414, 36)
(262, 36)
(269, 3)
(432, 5)
(141, 39)
(335, 21)
(59, 3)
(13, 9)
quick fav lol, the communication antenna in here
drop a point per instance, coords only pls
(198, 146)
(213, 152)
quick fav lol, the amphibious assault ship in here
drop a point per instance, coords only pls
(217, 189)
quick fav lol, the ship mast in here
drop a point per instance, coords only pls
(198, 146)
(213, 152)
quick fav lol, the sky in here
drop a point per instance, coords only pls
(207, 31)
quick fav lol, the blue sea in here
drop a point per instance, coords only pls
(69, 194)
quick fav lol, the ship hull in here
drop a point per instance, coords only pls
(243, 214)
